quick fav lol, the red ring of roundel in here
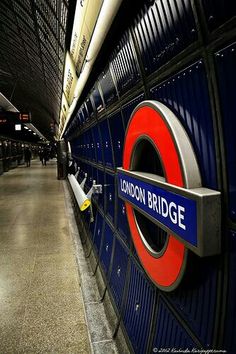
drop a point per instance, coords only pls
(166, 269)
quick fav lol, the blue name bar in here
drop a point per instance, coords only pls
(174, 212)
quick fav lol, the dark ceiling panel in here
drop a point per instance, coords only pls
(32, 54)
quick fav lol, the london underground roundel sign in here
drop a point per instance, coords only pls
(174, 201)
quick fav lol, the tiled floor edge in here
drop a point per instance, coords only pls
(97, 338)
(78, 246)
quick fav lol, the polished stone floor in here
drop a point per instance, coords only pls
(41, 307)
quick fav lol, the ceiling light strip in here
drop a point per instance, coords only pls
(106, 16)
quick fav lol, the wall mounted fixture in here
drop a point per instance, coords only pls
(83, 199)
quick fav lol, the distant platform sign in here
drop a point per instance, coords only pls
(15, 117)
(25, 117)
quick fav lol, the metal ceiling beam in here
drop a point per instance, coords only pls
(6, 104)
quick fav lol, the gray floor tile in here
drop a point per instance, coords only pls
(50, 282)
(58, 338)
(10, 335)
(99, 329)
(11, 320)
(18, 260)
(90, 290)
(106, 347)
(53, 324)
(19, 240)
(56, 262)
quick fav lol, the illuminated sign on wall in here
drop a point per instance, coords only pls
(18, 127)
(25, 117)
(15, 117)
(85, 19)
(64, 105)
(177, 203)
(70, 79)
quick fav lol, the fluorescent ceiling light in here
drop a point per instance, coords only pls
(6, 104)
(31, 127)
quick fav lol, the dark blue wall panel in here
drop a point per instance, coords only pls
(97, 99)
(80, 118)
(218, 12)
(139, 308)
(98, 144)
(186, 93)
(89, 106)
(169, 55)
(109, 190)
(230, 338)
(117, 136)
(197, 302)
(106, 144)
(122, 222)
(91, 146)
(124, 64)
(98, 232)
(169, 332)
(226, 68)
(108, 87)
(128, 108)
(164, 30)
(84, 113)
(119, 272)
(106, 248)
(100, 180)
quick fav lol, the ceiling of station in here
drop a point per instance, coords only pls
(32, 53)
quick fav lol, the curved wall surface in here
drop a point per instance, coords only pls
(183, 54)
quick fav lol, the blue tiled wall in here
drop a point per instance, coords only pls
(165, 55)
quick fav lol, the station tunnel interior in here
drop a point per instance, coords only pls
(178, 53)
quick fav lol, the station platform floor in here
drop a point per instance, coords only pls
(43, 306)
